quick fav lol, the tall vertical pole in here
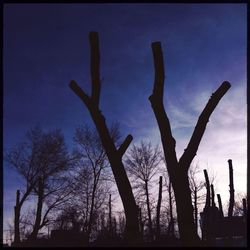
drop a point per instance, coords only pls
(231, 189)
(212, 195)
(158, 230)
(220, 204)
(17, 218)
(208, 189)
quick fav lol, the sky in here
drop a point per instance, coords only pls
(46, 45)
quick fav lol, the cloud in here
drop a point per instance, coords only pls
(225, 136)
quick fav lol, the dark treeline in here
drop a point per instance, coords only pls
(73, 192)
(70, 197)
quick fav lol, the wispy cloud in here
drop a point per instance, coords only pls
(225, 136)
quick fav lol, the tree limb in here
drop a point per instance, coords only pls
(125, 145)
(200, 127)
(95, 66)
(156, 100)
(159, 69)
(80, 93)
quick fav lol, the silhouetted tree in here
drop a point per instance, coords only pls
(178, 170)
(114, 154)
(51, 160)
(21, 158)
(197, 185)
(220, 205)
(231, 189)
(92, 173)
(158, 210)
(40, 160)
(142, 165)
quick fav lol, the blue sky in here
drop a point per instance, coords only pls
(46, 46)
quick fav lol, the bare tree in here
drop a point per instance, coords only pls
(196, 186)
(178, 169)
(21, 158)
(51, 161)
(92, 173)
(142, 165)
(40, 160)
(114, 154)
(171, 219)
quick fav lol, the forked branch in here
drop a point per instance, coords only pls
(200, 127)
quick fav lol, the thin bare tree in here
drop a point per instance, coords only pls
(92, 173)
(142, 165)
(197, 185)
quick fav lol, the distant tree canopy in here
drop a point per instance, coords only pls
(41, 160)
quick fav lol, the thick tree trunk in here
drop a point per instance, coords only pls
(17, 209)
(158, 210)
(185, 218)
(178, 170)
(149, 212)
(114, 155)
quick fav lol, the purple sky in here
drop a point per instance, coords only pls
(46, 46)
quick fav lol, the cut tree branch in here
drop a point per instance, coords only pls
(80, 93)
(125, 145)
(156, 100)
(200, 127)
(159, 70)
(95, 67)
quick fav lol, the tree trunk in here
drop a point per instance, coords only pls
(37, 224)
(17, 209)
(208, 189)
(158, 210)
(231, 186)
(110, 215)
(195, 209)
(220, 205)
(178, 170)
(90, 222)
(114, 155)
(185, 218)
(141, 223)
(212, 195)
(244, 203)
(17, 212)
(171, 223)
(149, 212)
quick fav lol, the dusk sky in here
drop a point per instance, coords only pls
(46, 46)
